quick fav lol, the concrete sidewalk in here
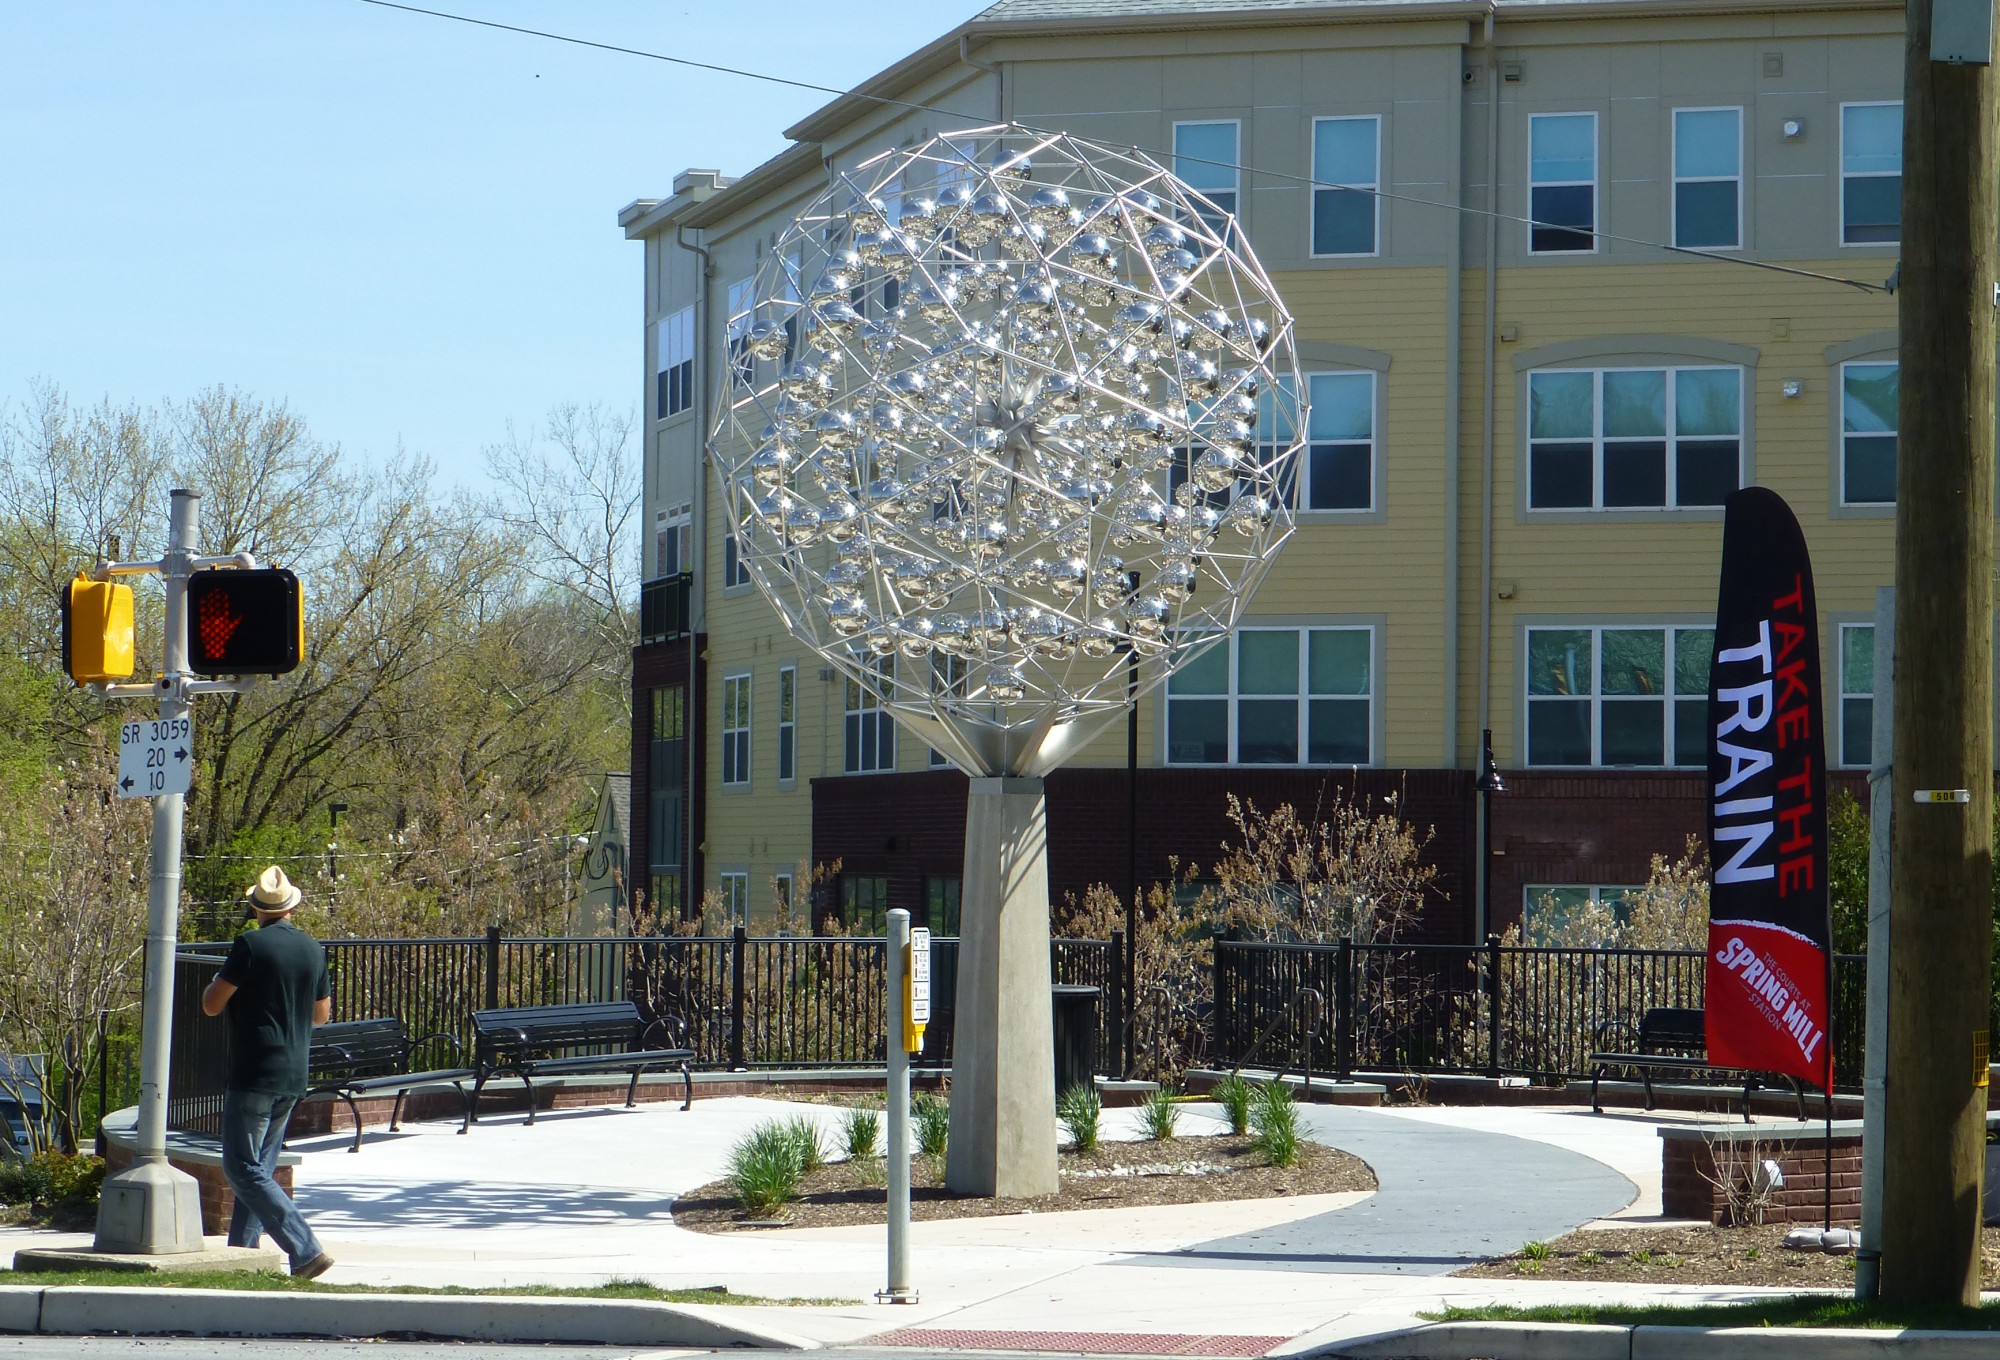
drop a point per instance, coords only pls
(585, 1196)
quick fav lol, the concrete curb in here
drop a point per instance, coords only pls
(64, 1310)
(1576, 1341)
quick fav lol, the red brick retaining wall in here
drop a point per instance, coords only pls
(1688, 1165)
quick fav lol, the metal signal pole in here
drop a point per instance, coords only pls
(1941, 893)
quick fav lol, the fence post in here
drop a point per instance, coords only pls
(1225, 1010)
(1493, 992)
(737, 952)
(492, 968)
(1122, 1004)
(1343, 1009)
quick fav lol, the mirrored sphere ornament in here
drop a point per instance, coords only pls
(1009, 411)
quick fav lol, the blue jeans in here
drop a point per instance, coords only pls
(253, 1134)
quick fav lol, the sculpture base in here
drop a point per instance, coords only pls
(1003, 1105)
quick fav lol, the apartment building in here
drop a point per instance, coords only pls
(1520, 435)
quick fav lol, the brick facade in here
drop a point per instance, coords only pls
(1688, 1169)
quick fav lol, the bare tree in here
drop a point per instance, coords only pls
(1355, 873)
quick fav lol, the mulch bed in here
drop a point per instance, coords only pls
(1751, 1255)
(1193, 1170)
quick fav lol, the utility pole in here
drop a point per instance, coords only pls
(1941, 893)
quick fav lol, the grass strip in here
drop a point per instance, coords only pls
(1795, 1310)
(273, 1282)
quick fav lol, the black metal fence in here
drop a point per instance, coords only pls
(1494, 1009)
(748, 1002)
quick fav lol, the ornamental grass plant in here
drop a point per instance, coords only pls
(1079, 1110)
(1274, 1124)
(1159, 1115)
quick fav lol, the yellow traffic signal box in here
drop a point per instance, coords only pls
(97, 631)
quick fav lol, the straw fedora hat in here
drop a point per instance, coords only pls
(273, 891)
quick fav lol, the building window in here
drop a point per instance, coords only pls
(735, 887)
(947, 679)
(676, 355)
(736, 729)
(1562, 182)
(1868, 421)
(1871, 174)
(1618, 696)
(869, 739)
(1857, 694)
(1205, 159)
(781, 894)
(736, 331)
(670, 541)
(734, 570)
(941, 905)
(1347, 158)
(666, 804)
(1276, 696)
(864, 903)
(1340, 442)
(1556, 914)
(1708, 178)
(788, 722)
(1634, 438)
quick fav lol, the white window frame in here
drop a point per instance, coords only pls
(855, 720)
(1668, 697)
(742, 297)
(784, 889)
(1672, 437)
(738, 702)
(1236, 171)
(944, 682)
(1845, 692)
(1373, 188)
(1842, 433)
(675, 524)
(1232, 696)
(1595, 181)
(1303, 498)
(1674, 204)
(788, 728)
(675, 363)
(734, 885)
(1845, 175)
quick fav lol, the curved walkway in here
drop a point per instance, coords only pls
(1449, 1197)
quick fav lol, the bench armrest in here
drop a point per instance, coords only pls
(457, 1048)
(1620, 1035)
(675, 1026)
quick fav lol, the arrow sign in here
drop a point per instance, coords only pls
(153, 757)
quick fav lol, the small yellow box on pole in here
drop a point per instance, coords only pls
(97, 631)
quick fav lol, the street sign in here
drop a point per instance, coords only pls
(920, 977)
(155, 756)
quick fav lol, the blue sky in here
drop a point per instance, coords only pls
(403, 227)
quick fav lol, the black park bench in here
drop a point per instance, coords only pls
(366, 1057)
(562, 1041)
(1669, 1039)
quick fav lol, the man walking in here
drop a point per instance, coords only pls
(274, 986)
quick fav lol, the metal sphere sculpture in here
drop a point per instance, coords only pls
(1011, 407)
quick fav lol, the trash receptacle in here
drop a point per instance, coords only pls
(1076, 1035)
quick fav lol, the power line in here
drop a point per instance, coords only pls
(1237, 166)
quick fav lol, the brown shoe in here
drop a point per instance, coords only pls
(313, 1269)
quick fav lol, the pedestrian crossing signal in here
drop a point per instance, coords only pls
(245, 622)
(97, 631)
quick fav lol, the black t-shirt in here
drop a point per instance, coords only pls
(279, 972)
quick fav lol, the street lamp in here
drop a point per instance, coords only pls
(333, 850)
(1060, 394)
(1488, 784)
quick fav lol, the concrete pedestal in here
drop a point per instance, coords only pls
(150, 1208)
(1003, 1106)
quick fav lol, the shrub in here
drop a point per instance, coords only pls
(858, 1131)
(764, 1167)
(1274, 1124)
(1159, 1116)
(1536, 1251)
(933, 1118)
(1078, 1110)
(1234, 1094)
(801, 1133)
(52, 1177)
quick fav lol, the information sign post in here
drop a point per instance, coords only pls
(902, 1035)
